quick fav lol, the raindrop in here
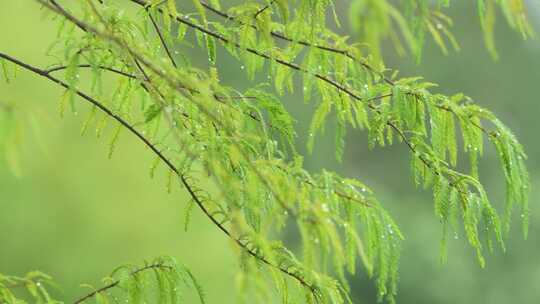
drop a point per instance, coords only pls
(439, 26)
(456, 236)
(522, 215)
(325, 208)
(242, 67)
(316, 240)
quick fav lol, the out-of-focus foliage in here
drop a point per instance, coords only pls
(408, 23)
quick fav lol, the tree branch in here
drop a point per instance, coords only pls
(115, 283)
(168, 163)
(293, 66)
(161, 39)
(330, 49)
(260, 11)
(284, 37)
(116, 71)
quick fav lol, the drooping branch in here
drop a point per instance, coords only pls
(284, 37)
(173, 83)
(101, 67)
(219, 98)
(161, 38)
(183, 178)
(328, 80)
(456, 180)
(264, 8)
(115, 283)
(335, 50)
(340, 87)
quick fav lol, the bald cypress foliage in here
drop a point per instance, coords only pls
(128, 66)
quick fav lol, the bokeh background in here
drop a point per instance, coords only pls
(76, 215)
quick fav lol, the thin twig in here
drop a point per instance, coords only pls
(115, 283)
(110, 69)
(161, 38)
(263, 9)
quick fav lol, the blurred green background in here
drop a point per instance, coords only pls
(76, 215)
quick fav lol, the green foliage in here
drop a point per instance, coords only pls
(162, 281)
(234, 152)
(377, 20)
(34, 285)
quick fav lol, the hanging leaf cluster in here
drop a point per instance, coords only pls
(131, 64)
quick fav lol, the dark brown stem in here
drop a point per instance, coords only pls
(115, 283)
(263, 9)
(161, 39)
(63, 67)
